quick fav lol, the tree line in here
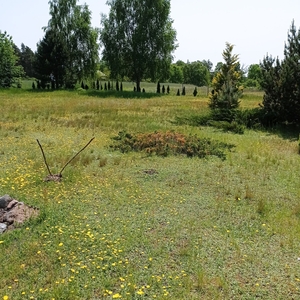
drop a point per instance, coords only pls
(137, 40)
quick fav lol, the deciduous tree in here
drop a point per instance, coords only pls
(73, 42)
(138, 39)
(10, 72)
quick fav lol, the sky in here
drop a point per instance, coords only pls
(255, 28)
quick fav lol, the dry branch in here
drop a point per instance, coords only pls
(76, 155)
(57, 177)
(44, 157)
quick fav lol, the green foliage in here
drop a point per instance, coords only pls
(176, 74)
(196, 73)
(10, 72)
(69, 49)
(169, 143)
(27, 60)
(226, 89)
(254, 76)
(138, 39)
(281, 82)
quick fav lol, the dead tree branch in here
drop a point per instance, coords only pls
(44, 158)
(75, 156)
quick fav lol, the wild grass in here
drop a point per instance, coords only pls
(131, 226)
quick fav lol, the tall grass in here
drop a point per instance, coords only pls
(189, 229)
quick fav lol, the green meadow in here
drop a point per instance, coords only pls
(139, 226)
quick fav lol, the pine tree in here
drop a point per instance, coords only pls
(281, 83)
(226, 88)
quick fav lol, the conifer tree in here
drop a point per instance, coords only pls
(163, 89)
(158, 88)
(178, 93)
(226, 87)
(195, 92)
(281, 83)
(168, 89)
(183, 91)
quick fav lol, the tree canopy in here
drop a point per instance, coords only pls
(138, 39)
(10, 71)
(281, 82)
(69, 49)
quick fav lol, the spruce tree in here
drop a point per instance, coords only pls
(168, 90)
(226, 87)
(178, 93)
(97, 85)
(163, 89)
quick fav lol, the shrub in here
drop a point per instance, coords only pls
(169, 143)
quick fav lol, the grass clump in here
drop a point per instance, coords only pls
(169, 143)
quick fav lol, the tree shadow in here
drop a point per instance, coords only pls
(285, 131)
(120, 94)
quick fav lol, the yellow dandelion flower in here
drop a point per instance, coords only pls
(140, 292)
(5, 297)
(116, 296)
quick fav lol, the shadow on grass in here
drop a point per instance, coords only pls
(286, 132)
(94, 93)
(119, 94)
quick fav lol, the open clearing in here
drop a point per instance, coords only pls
(133, 226)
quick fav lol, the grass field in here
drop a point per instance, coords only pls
(193, 229)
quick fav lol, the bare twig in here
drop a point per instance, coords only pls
(44, 158)
(75, 156)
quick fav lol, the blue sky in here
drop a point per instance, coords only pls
(203, 27)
